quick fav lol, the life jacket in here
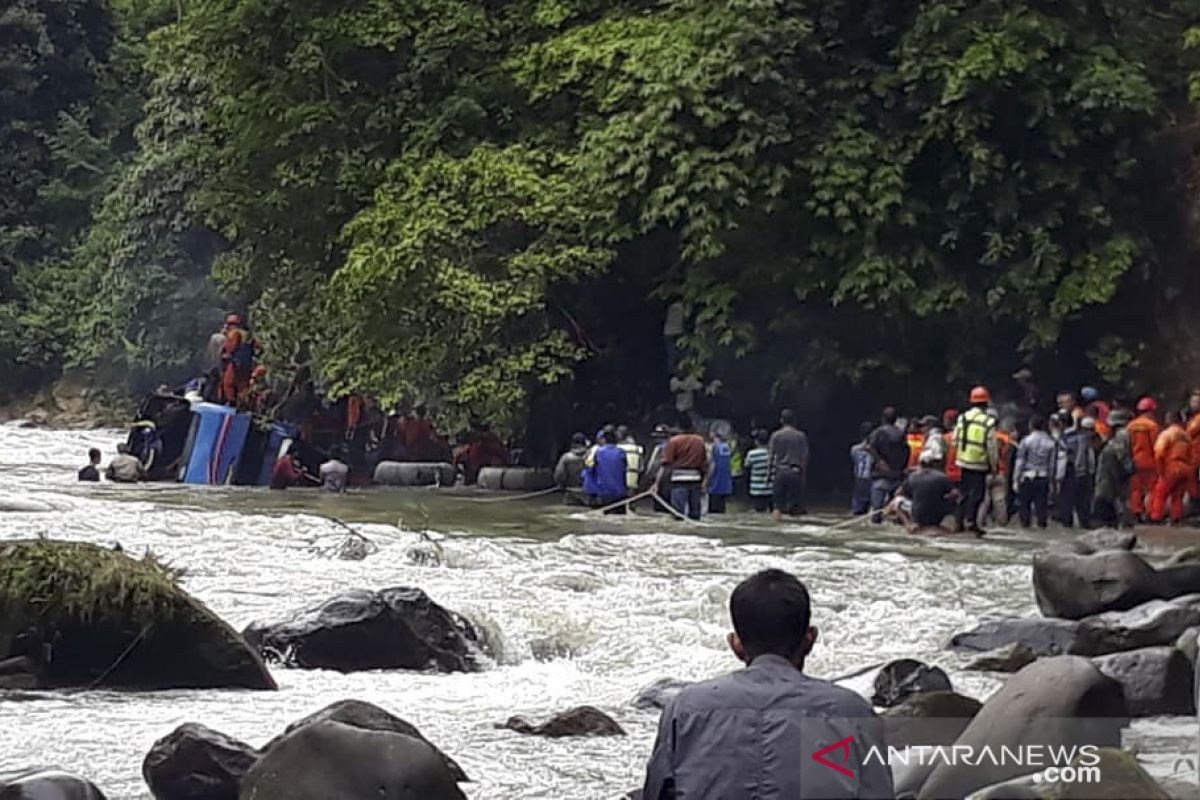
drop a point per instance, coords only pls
(243, 354)
(916, 443)
(953, 471)
(1104, 430)
(1143, 435)
(972, 433)
(1004, 445)
(1173, 450)
(1193, 432)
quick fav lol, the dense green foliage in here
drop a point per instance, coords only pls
(475, 204)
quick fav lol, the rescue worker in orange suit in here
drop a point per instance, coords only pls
(1193, 432)
(1173, 453)
(916, 444)
(949, 419)
(237, 359)
(1143, 435)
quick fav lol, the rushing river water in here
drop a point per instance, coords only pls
(631, 600)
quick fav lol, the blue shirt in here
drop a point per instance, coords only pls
(721, 481)
(606, 478)
(758, 464)
(863, 461)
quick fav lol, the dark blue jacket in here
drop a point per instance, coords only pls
(721, 482)
(606, 478)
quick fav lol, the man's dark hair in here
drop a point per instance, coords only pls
(761, 437)
(889, 415)
(787, 417)
(94, 454)
(610, 434)
(1037, 423)
(685, 423)
(578, 440)
(1065, 393)
(771, 612)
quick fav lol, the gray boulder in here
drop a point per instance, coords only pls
(1054, 702)
(330, 760)
(1123, 778)
(933, 718)
(1073, 586)
(1010, 658)
(1042, 637)
(368, 717)
(1107, 539)
(398, 628)
(659, 693)
(904, 677)
(581, 721)
(1188, 643)
(196, 763)
(1158, 622)
(1156, 680)
(49, 785)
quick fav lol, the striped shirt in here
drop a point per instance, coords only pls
(758, 465)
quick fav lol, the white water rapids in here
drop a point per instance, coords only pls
(633, 600)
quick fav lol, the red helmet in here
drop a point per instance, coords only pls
(980, 394)
(1146, 405)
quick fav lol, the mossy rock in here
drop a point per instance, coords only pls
(1121, 778)
(89, 616)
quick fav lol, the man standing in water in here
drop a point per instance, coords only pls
(977, 454)
(685, 468)
(788, 449)
(890, 450)
(768, 730)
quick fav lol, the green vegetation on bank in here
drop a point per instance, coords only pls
(481, 205)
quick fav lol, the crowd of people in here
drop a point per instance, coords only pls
(1090, 462)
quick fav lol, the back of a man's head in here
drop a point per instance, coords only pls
(889, 415)
(686, 425)
(787, 417)
(771, 613)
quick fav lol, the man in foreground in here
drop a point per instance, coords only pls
(768, 730)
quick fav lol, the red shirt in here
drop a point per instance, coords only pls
(286, 473)
(686, 451)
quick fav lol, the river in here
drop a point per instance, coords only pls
(632, 600)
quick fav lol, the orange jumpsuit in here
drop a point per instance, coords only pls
(1143, 435)
(1193, 432)
(1173, 452)
(235, 379)
(916, 443)
(953, 471)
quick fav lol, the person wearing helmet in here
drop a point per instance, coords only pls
(1173, 453)
(1143, 434)
(1114, 469)
(977, 456)
(1091, 400)
(237, 359)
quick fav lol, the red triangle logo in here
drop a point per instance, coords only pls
(844, 748)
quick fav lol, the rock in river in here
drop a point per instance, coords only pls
(1159, 622)
(49, 785)
(932, 718)
(1010, 658)
(1156, 680)
(328, 759)
(196, 763)
(88, 616)
(581, 721)
(906, 676)
(1060, 701)
(370, 717)
(1042, 637)
(1074, 586)
(398, 628)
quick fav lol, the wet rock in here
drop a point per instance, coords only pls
(1042, 637)
(1074, 586)
(1188, 555)
(581, 721)
(1159, 622)
(111, 620)
(1188, 643)
(49, 785)
(1177, 789)
(659, 693)
(1059, 701)
(333, 760)
(551, 648)
(1122, 779)
(196, 763)
(1107, 539)
(1010, 658)
(398, 628)
(21, 673)
(369, 717)
(906, 676)
(931, 718)
(1156, 680)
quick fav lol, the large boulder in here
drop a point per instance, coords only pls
(1074, 586)
(904, 677)
(398, 628)
(90, 616)
(1042, 637)
(581, 721)
(1158, 622)
(1156, 680)
(1121, 777)
(1107, 539)
(1054, 702)
(369, 717)
(197, 763)
(331, 760)
(658, 694)
(1010, 658)
(929, 719)
(49, 785)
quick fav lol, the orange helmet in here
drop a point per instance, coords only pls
(1146, 405)
(980, 394)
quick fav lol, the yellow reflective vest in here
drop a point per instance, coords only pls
(975, 435)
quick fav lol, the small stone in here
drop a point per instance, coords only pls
(581, 721)
(1011, 658)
